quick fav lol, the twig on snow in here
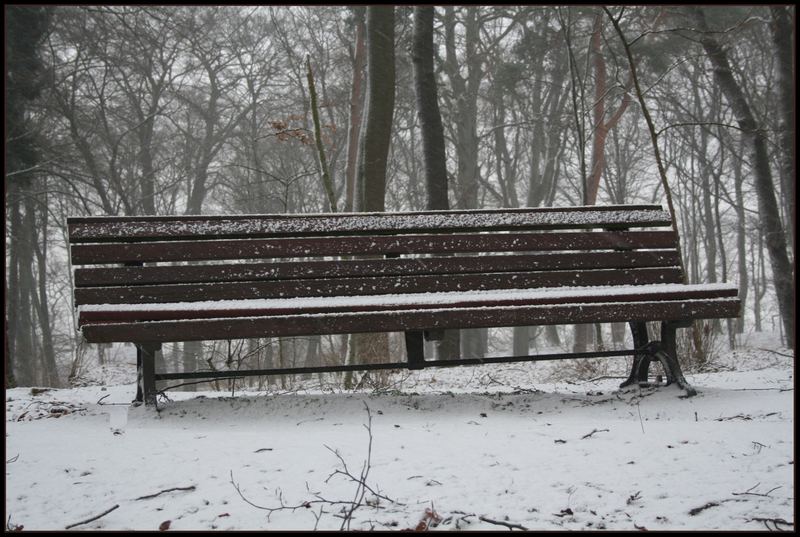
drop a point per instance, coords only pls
(776, 522)
(744, 417)
(190, 487)
(163, 390)
(762, 389)
(508, 525)
(361, 480)
(595, 431)
(776, 352)
(104, 513)
(748, 493)
(698, 510)
(348, 506)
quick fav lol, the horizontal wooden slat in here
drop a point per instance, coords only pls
(83, 254)
(461, 301)
(372, 286)
(99, 229)
(242, 272)
(298, 325)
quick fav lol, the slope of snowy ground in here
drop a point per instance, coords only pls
(490, 447)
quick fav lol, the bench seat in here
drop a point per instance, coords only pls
(208, 320)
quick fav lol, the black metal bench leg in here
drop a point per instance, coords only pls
(146, 365)
(667, 353)
(415, 348)
(139, 394)
(641, 362)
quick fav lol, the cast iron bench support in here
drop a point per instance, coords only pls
(664, 351)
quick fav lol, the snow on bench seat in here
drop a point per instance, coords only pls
(411, 301)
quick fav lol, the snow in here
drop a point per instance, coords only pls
(487, 297)
(508, 443)
(110, 227)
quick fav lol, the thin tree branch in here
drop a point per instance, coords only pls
(104, 513)
(508, 525)
(190, 487)
(700, 123)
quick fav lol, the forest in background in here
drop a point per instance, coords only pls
(122, 110)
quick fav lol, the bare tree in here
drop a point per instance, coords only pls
(374, 144)
(26, 28)
(356, 106)
(765, 188)
(434, 156)
(782, 25)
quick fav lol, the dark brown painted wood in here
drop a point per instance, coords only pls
(376, 245)
(298, 325)
(588, 247)
(147, 294)
(647, 295)
(240, 272)
(97, 229)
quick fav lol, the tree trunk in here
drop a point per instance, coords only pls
(50, 371)
(434, 157)
(466, 105)
(377, 129)
(583, 333)
(26, 27)
(712, 229)
(312, 359)
(25, 348)
(782, 31)
(601, 126)
(356, 109)
(322, 161)
(765, 188)
(433, 149)
(373, 152)
(13, 208)
(191, 358)
(741, 243)
(465, 91)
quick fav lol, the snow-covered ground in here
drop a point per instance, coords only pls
(488, 447)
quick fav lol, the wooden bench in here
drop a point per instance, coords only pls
(161, 279)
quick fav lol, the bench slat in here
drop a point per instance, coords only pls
(83, 254)
(99, 229)
(372, 285)
(516, 297)
(299, 325)
(133, 276)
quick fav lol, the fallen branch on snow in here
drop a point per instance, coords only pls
(776, 352)
(748, 493)
(595, 431)
(104, 513)
(348, 507)
(508, 525)
(190, 487)
(698, 510)
(776, 522)
(488, 520)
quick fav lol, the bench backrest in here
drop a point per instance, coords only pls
(121, 260)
